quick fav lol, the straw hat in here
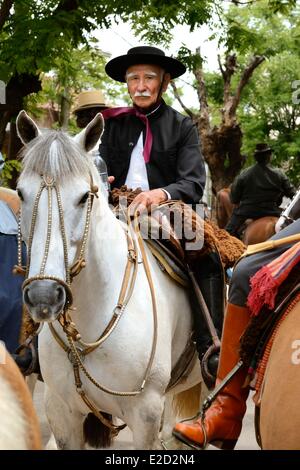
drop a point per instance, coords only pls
(90, 99)
(116, 68)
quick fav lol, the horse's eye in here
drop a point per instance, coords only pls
(19, 192)
(84, 198)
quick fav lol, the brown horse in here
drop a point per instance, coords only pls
(255, 231)
(279, 409)
(259, 230)
(224, 207)
(19, 426)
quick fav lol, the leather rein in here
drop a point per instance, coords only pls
(77, 352)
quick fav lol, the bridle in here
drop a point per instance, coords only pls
(49, 184)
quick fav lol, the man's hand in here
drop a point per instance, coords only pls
(111, 179)
(146, 199)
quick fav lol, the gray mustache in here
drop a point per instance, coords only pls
(142, 93)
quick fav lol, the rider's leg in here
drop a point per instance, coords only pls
(235, 222)
(223, 420)
(28, 362)
(210, 278)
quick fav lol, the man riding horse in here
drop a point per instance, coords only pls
(153, 147)
(170, 167)
(258, 190)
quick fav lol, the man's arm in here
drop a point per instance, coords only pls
(190, 180)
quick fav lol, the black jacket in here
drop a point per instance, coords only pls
(259, 190)
(176, 163)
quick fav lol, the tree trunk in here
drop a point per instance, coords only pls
(65, 107)
(17, 88)
(221, 145)
(14, 147)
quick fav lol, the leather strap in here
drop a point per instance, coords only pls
(270, 244)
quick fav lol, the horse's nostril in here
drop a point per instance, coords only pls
(59, 294)
(27, 296)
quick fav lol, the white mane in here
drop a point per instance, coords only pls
(55, 154)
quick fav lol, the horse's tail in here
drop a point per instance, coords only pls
(95, 433)
(187, 403)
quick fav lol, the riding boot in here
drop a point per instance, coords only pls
(235, 223)
(28, 361)
(210, 279)
(223, 420)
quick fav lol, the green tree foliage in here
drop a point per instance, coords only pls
(83, 70)
(8, 170)
(35, 33)
(270, 106)
(37, 37)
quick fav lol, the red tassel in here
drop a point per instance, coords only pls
(263, 291)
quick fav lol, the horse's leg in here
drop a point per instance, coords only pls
(65, 424)
(31, 381)
(145, 420)
(169, 418)
(51, 444)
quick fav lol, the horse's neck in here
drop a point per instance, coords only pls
(97, 287)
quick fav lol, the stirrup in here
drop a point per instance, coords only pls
(33, 366)
(208, 370)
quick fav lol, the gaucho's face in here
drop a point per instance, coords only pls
(145, 83)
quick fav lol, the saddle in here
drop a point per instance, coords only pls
(162, 231)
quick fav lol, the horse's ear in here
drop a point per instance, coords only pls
(26, 128)
(89, 136)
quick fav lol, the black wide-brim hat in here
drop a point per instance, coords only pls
(262, 148)
(116, 68)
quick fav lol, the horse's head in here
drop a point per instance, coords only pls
(56, 188)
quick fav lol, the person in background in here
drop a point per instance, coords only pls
(89, 103)
(258, 190)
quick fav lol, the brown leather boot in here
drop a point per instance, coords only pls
(223, 420)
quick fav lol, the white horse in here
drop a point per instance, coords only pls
(57, 231)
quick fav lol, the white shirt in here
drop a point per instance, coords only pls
(137, 173)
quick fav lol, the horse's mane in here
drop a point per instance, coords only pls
(55, 154)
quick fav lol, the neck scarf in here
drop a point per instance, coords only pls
(114, 112)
